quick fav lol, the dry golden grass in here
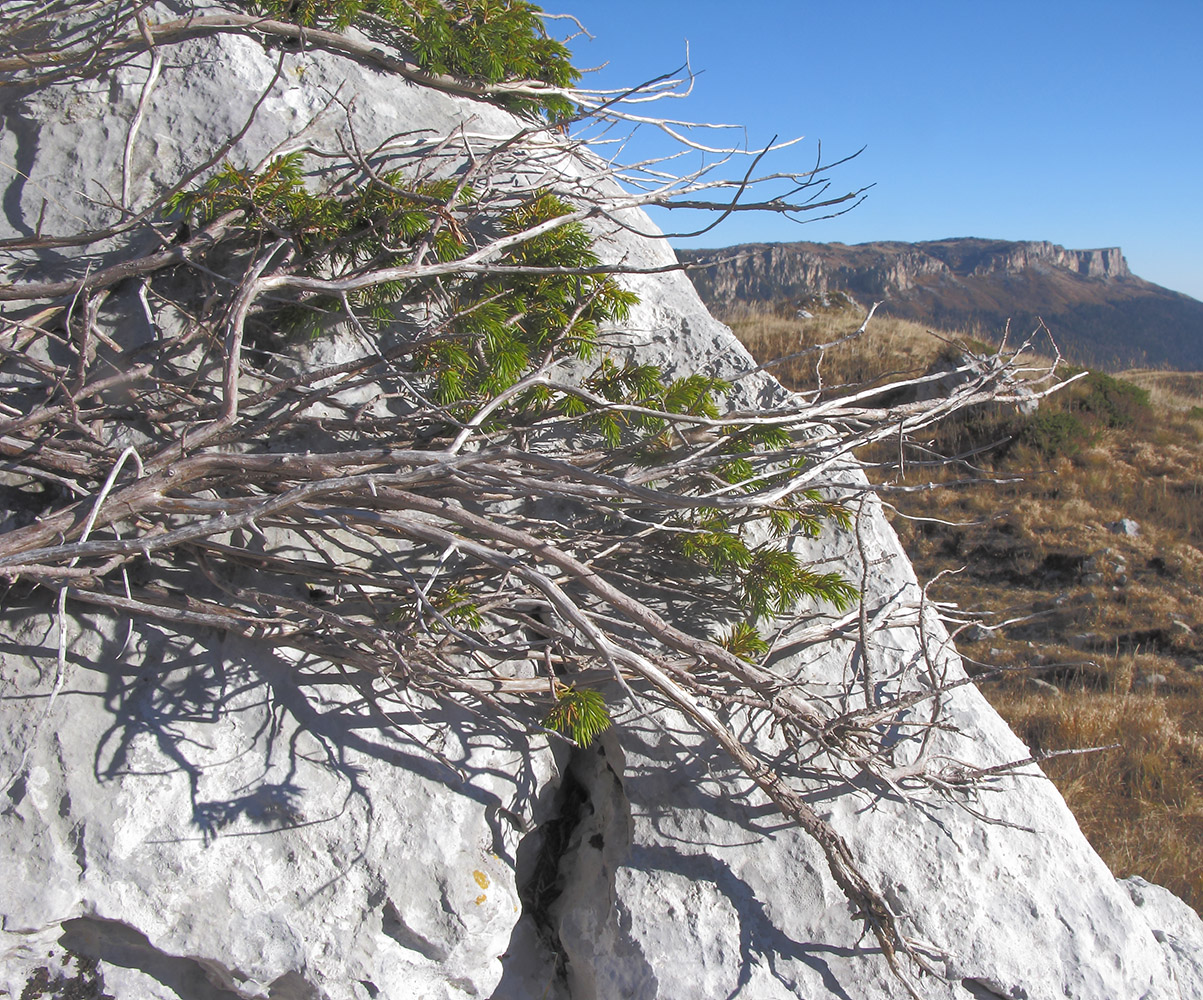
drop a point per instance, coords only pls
(1142, 804)
(889, 348)
(1180, 391)
(1116, 622)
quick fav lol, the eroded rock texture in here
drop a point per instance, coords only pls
(196, 816)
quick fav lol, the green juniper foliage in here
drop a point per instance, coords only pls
(496, 327)
(335, 234)
(768, 580)
(457, 605)
(745, 641)
(485, 41)
(381, 223)
(580, 713)
(504, 325)
(776, 580)
(480, 334)
(644, 386)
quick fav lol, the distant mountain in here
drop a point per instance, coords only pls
(1098, 311)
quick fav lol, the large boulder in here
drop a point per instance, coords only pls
(195, 815)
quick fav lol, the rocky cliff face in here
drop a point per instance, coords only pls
(980, 257)
(1099, 312)
(769, 272)
(197, 816)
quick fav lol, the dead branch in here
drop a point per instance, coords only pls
(399, 517)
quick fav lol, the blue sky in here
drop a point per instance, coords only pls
(1075, 122)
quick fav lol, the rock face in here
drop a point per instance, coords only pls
(767, 272)
(1099, 312)
(200, 817)
(195, 817)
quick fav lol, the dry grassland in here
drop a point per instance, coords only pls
(1108, 647)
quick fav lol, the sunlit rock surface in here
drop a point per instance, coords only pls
(199, 817)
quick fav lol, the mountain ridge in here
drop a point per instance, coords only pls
(1098, 311)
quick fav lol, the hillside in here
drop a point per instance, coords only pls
(1074, 546)
(1098, 311)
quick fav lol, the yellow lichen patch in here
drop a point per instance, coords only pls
(481, 898)
(482, 879)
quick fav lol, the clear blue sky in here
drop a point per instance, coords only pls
(1071, 121)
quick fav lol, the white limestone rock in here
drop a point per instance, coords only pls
(200, 817)
(1176, 927)
(206, 811)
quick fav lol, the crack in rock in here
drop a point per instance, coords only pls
(573, 930)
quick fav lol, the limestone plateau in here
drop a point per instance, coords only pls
(1099, 312)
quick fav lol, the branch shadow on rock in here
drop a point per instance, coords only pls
(253, 731)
